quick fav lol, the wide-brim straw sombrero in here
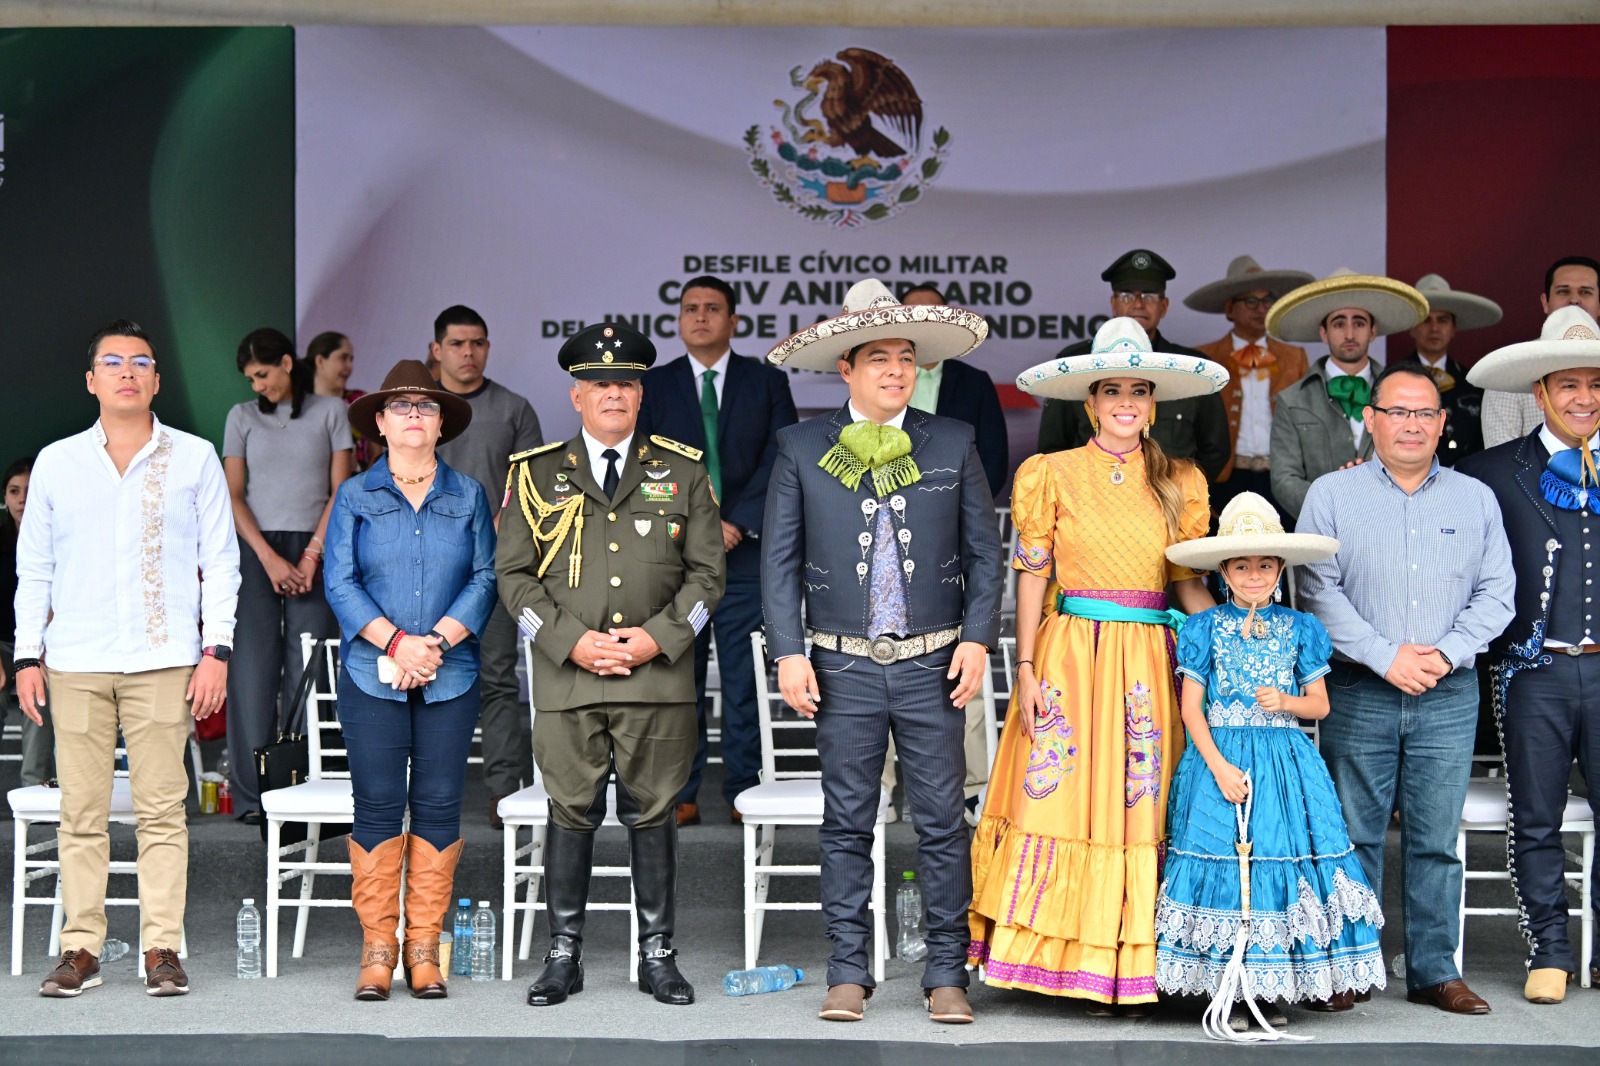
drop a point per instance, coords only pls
(410, 376)
(1250, 525)
(871, 313)
(1469, 310)
(1394, 306)
(1244, 275)
(1570, 340)
(1122, 350)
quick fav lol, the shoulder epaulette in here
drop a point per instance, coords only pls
(673, 446)
(540, 450)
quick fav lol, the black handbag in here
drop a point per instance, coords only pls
(286, 761)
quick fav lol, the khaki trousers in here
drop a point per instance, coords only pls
(973, 744)
(154, 718)
(651, 744)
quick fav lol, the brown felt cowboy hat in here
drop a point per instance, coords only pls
(410, 376)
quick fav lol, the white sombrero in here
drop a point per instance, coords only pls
(1244, 275)
(871, 313)
(1249, 525)
(1570, 340)
(1394, 306)
(1122, 350)
(1471, 312)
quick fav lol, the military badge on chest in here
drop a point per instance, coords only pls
(656, 488)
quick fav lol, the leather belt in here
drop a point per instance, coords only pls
(1575, 650)
(1252, 462)
(885, 649)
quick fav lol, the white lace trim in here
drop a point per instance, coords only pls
(1288, 979)
(1307, 919)
(1239, 713)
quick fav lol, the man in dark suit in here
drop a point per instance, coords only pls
(953, 389)
(895, 501)
(1194, 429)
(1450, 312)
(731, 407)
(1546, 689)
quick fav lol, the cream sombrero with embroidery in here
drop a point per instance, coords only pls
(871, 313)
(1470, 310)
(1244, 275)
(1122, 350)
(1250, 526)
(1394, 306)
(1570, 340)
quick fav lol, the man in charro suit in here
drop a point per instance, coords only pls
(1259, 367)
(610, 560)
(880, 525)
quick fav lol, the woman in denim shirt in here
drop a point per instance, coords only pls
(410, 575)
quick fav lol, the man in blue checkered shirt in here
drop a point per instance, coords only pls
(1421, 584)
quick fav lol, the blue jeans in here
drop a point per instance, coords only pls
(383, 738)
(1378, 741)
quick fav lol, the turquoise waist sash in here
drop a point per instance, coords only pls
(1107, 611)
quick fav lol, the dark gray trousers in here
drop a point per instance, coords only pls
(862, 703)
(503, 717)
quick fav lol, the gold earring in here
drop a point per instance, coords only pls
(1145, 432)
(1094, 420)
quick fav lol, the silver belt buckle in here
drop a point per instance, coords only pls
(1574, 650)
(884, 650)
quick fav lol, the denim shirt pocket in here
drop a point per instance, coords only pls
(379, 514)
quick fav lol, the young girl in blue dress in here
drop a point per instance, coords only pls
(1252, 669)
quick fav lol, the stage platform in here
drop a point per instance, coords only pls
(307, 1015)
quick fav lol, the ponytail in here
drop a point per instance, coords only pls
(1162, 471)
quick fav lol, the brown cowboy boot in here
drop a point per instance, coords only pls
(375, 895)
(430, 877)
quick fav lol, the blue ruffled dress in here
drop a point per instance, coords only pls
(1315, 919)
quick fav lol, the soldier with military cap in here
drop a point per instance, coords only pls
(611, 561)
(1195, 428)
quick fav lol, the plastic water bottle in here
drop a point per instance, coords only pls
(461, 948)
(1399, 966)
(761, 979)
(908, 909)
(248, 928)
(483, 942)
(113, 950)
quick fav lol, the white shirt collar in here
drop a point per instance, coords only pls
(1240, 342)
(1554, 444)
(1425, 361)
(98, 433)
(1336, 371)
(898, 421)
(720, 366)
(597, 462)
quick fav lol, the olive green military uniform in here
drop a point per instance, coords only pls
(652, 557)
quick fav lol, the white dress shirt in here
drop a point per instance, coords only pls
(1255, 406)
(720, 366)
(117, 573)
(1554, 445)
(898, 421)
(1358, 425)
(597, 462)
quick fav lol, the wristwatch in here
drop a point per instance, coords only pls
(220, 652)
(444, 645)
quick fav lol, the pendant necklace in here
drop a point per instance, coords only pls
(1253, 625)
(412, 480)
(1117, 477)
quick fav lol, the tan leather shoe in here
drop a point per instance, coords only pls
(1547, 984)
(1452, 996)
(844, 1003)
(76, 971)
(687, 814)
(163, 973)
(948, 1005)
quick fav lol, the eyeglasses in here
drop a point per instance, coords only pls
(1138, 297)
(1426, 415)
(404, 407)
(140, 364)
(1253, 302)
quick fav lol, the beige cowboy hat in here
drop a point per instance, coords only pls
(1394, 306)
(1122, 350)
(1249, 525)
(410, 376)
(1570, 340)
(1244, 275)
(871, 313)
(1470, 311)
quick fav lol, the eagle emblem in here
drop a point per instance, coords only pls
(860, 158)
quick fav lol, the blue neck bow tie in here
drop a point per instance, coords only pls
(1563, 483)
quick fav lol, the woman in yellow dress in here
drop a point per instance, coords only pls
(1066, 861)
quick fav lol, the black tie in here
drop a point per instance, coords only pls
(612, 477)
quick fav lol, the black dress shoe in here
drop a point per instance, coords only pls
(562, 977)
(252, 818)
(659, 976)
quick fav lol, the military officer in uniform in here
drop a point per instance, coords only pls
(610, 560)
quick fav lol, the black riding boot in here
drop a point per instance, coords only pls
(655, 888)
(568, 861)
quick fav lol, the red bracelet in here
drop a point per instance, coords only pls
(394, 642)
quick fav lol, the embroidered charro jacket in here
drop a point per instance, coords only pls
(1289, 365)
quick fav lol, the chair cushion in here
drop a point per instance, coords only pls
(42, 803)
(1486, 806)
(326, 799)
(531, 805)
(797, 798)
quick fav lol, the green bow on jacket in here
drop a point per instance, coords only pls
(1351, 392)
(883, 450)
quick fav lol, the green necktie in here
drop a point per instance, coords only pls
(1351, 392)
(708, 417)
